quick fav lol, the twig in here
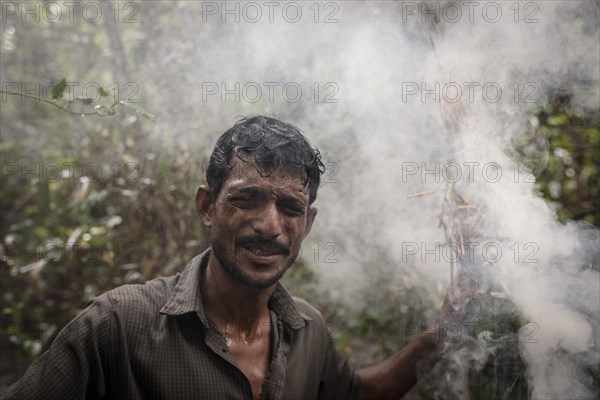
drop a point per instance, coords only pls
(412, 196)
(53, 103)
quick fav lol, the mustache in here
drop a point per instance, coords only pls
(264, 242)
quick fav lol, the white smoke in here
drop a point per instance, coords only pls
(372, 57)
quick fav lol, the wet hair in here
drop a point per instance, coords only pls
(272, 144)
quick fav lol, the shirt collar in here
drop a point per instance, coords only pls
(187, 296)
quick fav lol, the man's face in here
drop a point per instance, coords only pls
(258, 223)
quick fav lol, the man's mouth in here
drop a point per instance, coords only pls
(262, 251)
(263, 247)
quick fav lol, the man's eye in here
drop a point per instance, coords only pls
(242, 201)
(294, 210)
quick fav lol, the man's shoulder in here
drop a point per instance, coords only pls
(309, 312)
(142, 298)
(304, 307)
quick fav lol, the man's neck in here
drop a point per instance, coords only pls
(229, 303)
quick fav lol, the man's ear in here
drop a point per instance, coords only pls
(310, 218)
(204, 205)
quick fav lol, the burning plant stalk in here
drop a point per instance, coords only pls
(485, 362)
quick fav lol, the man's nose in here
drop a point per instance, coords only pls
(269, 221)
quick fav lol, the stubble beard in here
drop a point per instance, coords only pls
(239, 275)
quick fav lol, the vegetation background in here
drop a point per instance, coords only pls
(96, 201)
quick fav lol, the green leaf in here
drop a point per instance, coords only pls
(102, 92)
(59, 88)
(592, 132)
(557, 120)
(85, 100)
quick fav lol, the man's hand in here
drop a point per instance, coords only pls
(395, 376)
(452, 313)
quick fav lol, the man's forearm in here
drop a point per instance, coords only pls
(393, 377)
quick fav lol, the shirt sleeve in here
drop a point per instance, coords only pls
(339, 380)
(74, 367)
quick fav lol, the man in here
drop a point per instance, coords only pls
(224, 328)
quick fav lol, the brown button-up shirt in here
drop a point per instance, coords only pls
(154, 341)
